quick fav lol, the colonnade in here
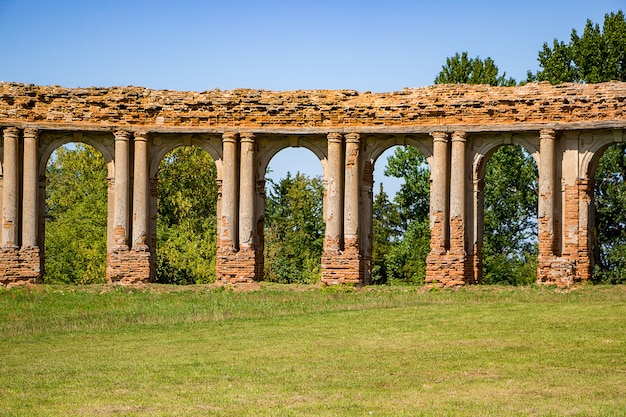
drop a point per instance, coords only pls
(566, 161)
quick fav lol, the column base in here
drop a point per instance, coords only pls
(236, 267)
(129, 266)
(447, 269)
(556, 270)
(343, 267)
(20, 266)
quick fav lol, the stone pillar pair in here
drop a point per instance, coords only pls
(238, 257)
(130, 263)
(342, 259)
(448, 263)
(565, 248)
(20, 259)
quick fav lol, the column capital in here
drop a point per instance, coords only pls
(247, 137)
(353, 137)
(229, 137)
(459, 136)
(547, 134)
(141, 136)
(122, 135)
(10, 131)
(439, 136)
(31, 132)
(335, 137)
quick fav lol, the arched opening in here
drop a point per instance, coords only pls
(609, 199)
(510, 243)
(75, 215)
(186, 235)
(400, 217)
(294, 217)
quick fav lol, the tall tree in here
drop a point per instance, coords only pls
(510, 231)
(599, 55)
(596, 56)
(460, 69)
(401, 234)
(76, 216)
(186, 217)
(294, 229)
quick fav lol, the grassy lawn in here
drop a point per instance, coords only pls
(293, 351)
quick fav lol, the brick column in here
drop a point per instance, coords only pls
(352, 254)
(236, 260)
(458, 191)
(19, 265)
(141, 190)
(332, 264)
(126, 265)
(439, 179)
(230, 193)
(436, 266)
(121, 220)
(334, 194)
(30, 210)
(247, 192)
(10, 189)
(351, 197)
(459, 270)
(545, 209)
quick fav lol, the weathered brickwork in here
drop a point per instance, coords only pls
(129, 266)
(457, 127)
(428, 106)
(19, 266)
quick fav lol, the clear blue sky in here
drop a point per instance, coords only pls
(275, 45)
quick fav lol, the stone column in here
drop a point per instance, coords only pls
(334, 191)
(141, 191)
(230, 203)
(545, 209)
(458, 188)
(121, 218)
(30, 209)
(247, 192)
(352, 186)
(439, 194)
(10, 188)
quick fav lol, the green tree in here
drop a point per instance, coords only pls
(401, 234)
(460, 69)
(511, 198)
(599, 55)
(186, 217)
(610, 205)
(386, 230)
(596, 56)
(76, 216)
(294, 229)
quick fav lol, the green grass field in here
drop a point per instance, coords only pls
(300, 351)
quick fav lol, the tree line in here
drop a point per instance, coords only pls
(294, 227)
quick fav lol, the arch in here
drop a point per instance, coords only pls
(483, 151)
(81, 228)
(485, 145)
(405, 260)
(102, 142)
(271, 147)
(595, 144)
(294, 254)
(174, 248)
(376, 146)
(164, 143)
